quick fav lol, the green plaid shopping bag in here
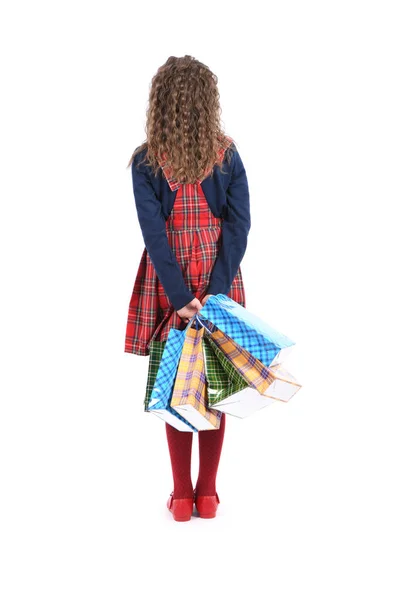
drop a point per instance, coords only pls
(223, 380)
(156, 350)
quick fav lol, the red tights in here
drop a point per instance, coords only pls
(180, 450)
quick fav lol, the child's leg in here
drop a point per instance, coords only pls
(180, 450)
(210, 446)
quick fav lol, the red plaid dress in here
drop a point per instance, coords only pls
(193, 233)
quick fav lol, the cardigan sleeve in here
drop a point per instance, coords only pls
(235, 228)
(153, 227)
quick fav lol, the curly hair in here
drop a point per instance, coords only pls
(183, 128)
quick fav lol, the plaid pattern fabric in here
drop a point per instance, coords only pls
(222, 379)
(250, 368)
(194, 234)
(160, 383)
(245, 328)
(156, 352)
(190, 383)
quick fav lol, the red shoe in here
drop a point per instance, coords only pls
(206, 505)
(181, 508)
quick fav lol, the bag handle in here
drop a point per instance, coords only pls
(199, 320)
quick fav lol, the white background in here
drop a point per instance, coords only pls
(309, 489)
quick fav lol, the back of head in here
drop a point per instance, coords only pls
(183, 128)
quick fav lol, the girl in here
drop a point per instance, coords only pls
(192, 200)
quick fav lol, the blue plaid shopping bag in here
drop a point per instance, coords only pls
(159, 401)
(265, 343)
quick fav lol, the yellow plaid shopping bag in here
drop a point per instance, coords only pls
(189, 396)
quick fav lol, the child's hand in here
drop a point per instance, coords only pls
(204, 300)
(188, 311)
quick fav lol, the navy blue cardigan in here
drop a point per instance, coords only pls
(227, 196)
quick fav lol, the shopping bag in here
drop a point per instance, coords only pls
(158, 401)
(254, 335)
(221, 382)
(156, 351)
(266, 384)
(189, 396)
(227, 390)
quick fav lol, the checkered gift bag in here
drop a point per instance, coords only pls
(257, 375)
(237, 382)
(226, 388)
(161, 377)
(156, 352)
(189, 396)
(260, 339)
(221, 382)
